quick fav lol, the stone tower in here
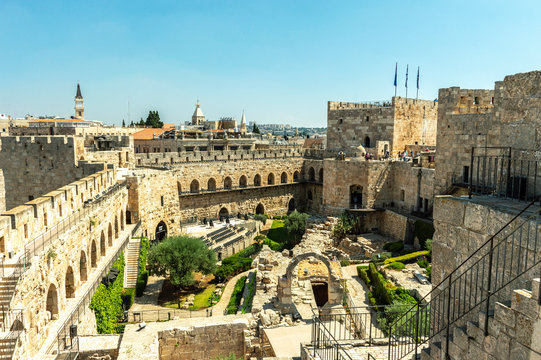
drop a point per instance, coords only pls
(198, 118)
(79, 104)
(243, 124)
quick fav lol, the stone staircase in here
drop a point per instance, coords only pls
(7, 287)
(132, 263)
(7, 345)
(514, 332)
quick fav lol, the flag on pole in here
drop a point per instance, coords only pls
(395, 74)
(407, 69)
(418, 77)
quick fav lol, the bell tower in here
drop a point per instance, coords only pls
(79, 104)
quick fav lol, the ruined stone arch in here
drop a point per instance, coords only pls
(270, 179)
(243, 182)
(69, 283)
(121, 220)
(116, 227)
(51, 304)
(333, 282)
(83, 272)
(110, 235)
(257, 180)
(283, 178)
(321, 175)
(296, 176)
(211, 184)
(194, 186)
(260, 209)
(291, 205)
(93, 254)
(102, 244)
(228, 183)
(311, 174)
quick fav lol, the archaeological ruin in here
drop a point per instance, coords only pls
(421, 239)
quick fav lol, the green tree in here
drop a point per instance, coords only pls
(255, 129)
(178, 257)
(123, 123)
(153, 120)
(141, 122)
(295, 223)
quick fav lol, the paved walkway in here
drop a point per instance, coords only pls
(357, 288)
(149, 299)
(286, 340)
(219, 308)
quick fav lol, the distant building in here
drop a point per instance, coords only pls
(198, 118)
(79, 104)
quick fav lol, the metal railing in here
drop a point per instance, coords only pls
(504, 172)
(497, 263)
(63, 337)
(16, 320)
(325, 345)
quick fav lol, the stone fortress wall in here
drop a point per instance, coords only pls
(187, 144)
(71, 131)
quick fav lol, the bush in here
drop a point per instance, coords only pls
(247, 306)
(232, 266)
(396, 266)
(423, 263)
(347, 224)
(142, 272)
(428, 244)
(128, 296)
(362, 272)
(236, 296)
(394, 247)
(295, 223)
(381, 293)
(141, 283)
(429, 273)
(423, 231)
(261, 217)
(408, 258)
(344, 263)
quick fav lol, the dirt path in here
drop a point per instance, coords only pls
(357, 288)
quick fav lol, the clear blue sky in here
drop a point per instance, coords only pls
(281, 61)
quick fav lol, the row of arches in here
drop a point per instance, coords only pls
(196, 186)
(312, 174)
(106, 239)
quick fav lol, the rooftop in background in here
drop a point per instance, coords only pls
(63, 123)
(151, 133)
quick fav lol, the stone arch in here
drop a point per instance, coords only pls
(194, 186)
(311, 174)
(367, 142)
(128, 216)
(223, 212)
(228, 183)
(283, 178)
(284, 283)
(83, 274)
(110, 235)
(260, 209)
(93, 254)
(296, 176)
(121, 220)
(320, 175)
(310, 195)
(52, 301)
(161, 231)
(270, 179)
(179, 188)
(355, 196)
(69, 283)
(116, 227)
(257, 180)
(102, 244)
(243, 182)
(291, 205)
(211, 184)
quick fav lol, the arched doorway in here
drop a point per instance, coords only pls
(211, 184)
(270, 179)
(161, 231)
(228, 183)
(116, 227)
(179, 188)
(223, 213)
(355, 197)
(52, 301)
(102, 244)
(257, 180)
(194, 186)
(93, 254)
(82, 267)
(296, 176)
(260, 209)
(311, 174)
(309, 195)
(70, 283)
(291, 205)
(283, 178)
(243, 181)
(110, 235)
(367, 142)
(128, 217)
(321, 175)
(121, 220)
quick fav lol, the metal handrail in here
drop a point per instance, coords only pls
(479, 278)
(324, 344)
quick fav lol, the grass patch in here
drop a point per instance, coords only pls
(408, 258)
(396, 266)
(278, 232)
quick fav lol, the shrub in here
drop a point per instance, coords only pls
(247, 307)
(423, 231)
(394, 247)
(422, 263)
(362, 272)
(428, 244)
(231, 266)
(261, 217)
(429, 272)
(141, 283)
(396, 266)
(295, 223)
(382, 295)
(236, 296)
(344, 263)
(347, 224)
(128, 296)
(408, 258)
(142, 273)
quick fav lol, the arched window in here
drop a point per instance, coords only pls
(194, 186)
(179, 188)
(310, 196)
(283, 178)
(260, 209)
(70, 283)
(321, 175)
(257, 180)
(367, 142)
(243, 181)
(211, 184)
(402, 195)
(102, 244)
(270, 179)
(296, 176)
(52, 301)
(82, 267)
(311, 174)
(355, 197)
(110, 235)
(93, 254)
(228, 183)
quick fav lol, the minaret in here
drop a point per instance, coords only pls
(79, 104)
(243, 124)
(198, 118)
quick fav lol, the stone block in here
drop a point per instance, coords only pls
(502, 347)
(449, 210)
(505, 315)
(523, 302)
(475, 217)
(524, 329)
(460, 338)
(475, 332)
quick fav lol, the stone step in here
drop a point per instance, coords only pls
(524, 302)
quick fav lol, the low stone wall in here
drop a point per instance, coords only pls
(393, 225)
(202, 342)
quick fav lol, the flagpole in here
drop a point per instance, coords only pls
(395, 78)
(407, 68)
(417, 96)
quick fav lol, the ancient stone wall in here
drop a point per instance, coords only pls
(202, 342)
(415, 122)
(70, 131)
(187, 145)
(412, 188)
(33, 166)
(393, 225)
(2, 192)
(122, 157)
